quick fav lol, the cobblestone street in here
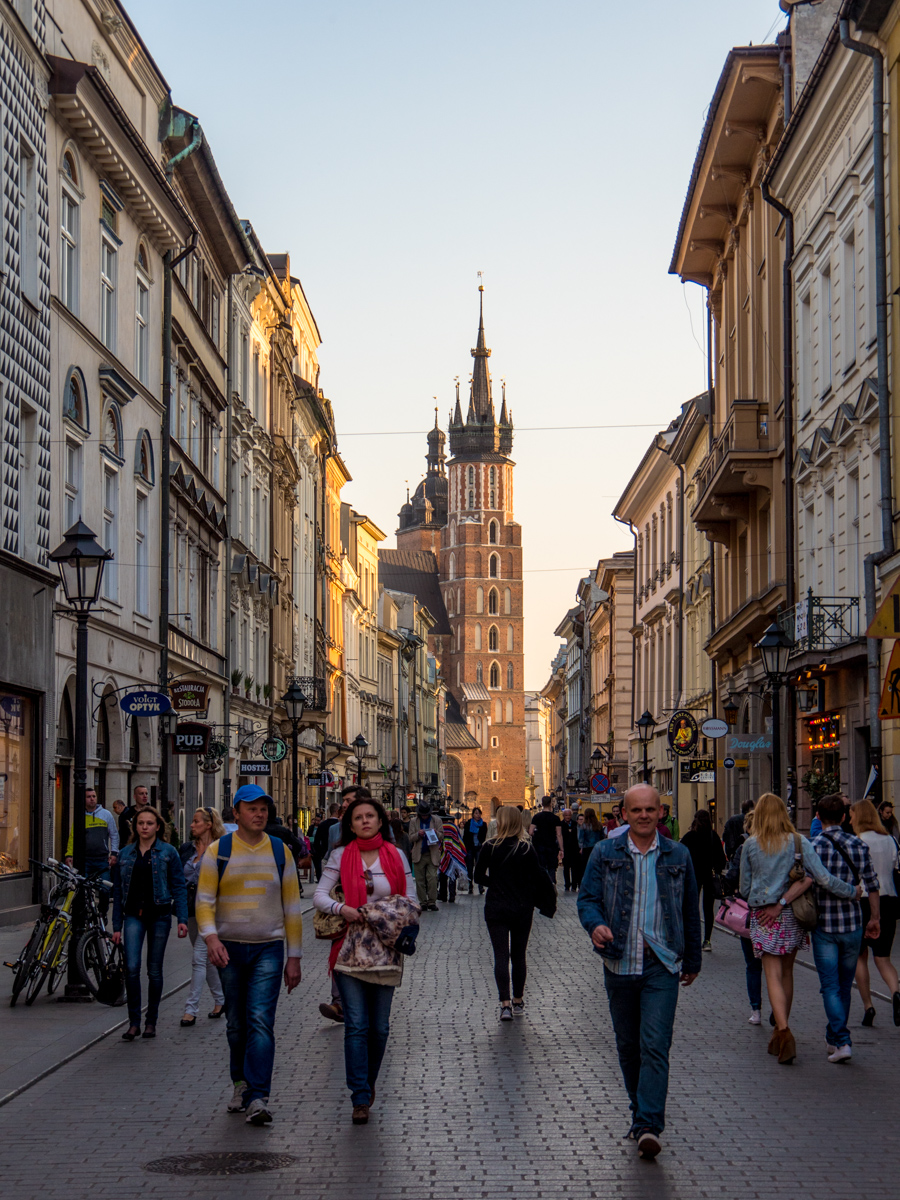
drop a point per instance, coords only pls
(469, 1108)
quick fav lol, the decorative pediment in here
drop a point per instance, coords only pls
(821, 447)
(867, 400)
(844, 426)
(802, 464)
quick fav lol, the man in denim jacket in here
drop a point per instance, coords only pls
(639, 903)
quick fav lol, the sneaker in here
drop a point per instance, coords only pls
(236, 1103)
(518, 1007)
(333, 1011)
(707, 945)
(505, 1012)
(258, 1112)
(841, 1054)
(649, 1145)
(755, 1017)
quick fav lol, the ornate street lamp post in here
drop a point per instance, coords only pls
(361, 747)
(645, 725)
(775, 649)
(294, 701)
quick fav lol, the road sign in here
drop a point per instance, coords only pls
(714, 728)
(255, 767)
(145, 704)
(190, 737)
(886, 622)
(728, 763)
(599, 782)
(889, 708)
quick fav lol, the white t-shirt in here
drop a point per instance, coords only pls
(883, 852)
(618, 831)
(331, 873)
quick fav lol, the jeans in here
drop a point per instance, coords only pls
(835, 955)
(201, 968)
(426, 876)
(471, 860)
(134, 930)
(754, 973)
(251, 983)
(367, 1012)
(445, 883)
(509, 940)
(642, 1008)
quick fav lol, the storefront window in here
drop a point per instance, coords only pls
(15, 782)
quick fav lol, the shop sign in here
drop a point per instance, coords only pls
(683, 732)
(714, 728)
(255, 767)
(145, 704)
(274, 749)
(190, 737)
(698, 770)
(739, 745)
(190, 697)
(824, 731)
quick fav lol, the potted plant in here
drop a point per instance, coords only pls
(258, 692)
(820, 783)
(248, 685)
(236, 677)
(267, 691)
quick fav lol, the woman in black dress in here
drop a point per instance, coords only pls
(708, 857)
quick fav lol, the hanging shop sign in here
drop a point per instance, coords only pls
(824, 731)
(274, 749)
(683, 733)
(190, 737)
(889, 708)
(712, 727)
(255, 767)
(698, 770)
(190, 696)
(145, 704)
(886, 622)
(739, 745)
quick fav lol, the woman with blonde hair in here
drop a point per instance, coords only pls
(766, 862)
(516, 883)
(883, 850)
(206, 828)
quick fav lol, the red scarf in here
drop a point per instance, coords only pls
(353, 880)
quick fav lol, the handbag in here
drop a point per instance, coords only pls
(111, 987)
(328, 927)
(805, 907)
(895, 872)
(718, 886)
(734, 915)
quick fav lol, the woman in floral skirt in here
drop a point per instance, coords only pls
(775, 935)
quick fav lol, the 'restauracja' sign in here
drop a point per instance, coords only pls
(190, 697)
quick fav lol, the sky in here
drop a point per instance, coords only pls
(396, 149)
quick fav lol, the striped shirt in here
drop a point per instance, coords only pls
(648, 927)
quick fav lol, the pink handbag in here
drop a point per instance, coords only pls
(734, 915)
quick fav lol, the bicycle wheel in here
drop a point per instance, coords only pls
(94, 955)
(26, 962)
(58, 959)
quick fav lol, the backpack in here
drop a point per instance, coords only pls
(224, 855)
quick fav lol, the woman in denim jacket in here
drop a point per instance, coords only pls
(776, 937)
(148, 881)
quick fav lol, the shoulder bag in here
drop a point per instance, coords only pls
(895, 872)
(328, 927)
(734, 915)
(805, 908)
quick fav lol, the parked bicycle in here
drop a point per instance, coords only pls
(45, 956)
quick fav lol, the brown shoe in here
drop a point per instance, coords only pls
(360, 1114)
(788, 1050)
(775, 1042)
(334, 1012)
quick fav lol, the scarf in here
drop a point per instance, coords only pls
(353, 880)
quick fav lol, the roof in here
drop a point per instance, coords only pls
(457, 737)
(475, 691)
(415, 572)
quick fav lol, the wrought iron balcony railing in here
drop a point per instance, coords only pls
(822, 623)
(315, 692)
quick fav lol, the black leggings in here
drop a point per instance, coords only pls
(708, 896)
(510, 941)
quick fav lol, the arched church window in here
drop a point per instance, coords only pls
(507, 601)
(493, 638)
(498, 712)
(493, 499)
(495, 675)
(509, 712)
(492, 531)
(479, 673)
(451, 566)
(495, 566)
(471, 501)
(509, 637)
(510, 677)
(493, 476)
(479, 600)
(493, 599)
(478, 636)
(471, 476)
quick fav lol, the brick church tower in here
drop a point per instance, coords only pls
(479, 559)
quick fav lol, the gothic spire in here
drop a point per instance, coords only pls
(503, 417)
(481, 378)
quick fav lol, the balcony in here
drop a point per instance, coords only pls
(739, 462)
(315, 692)
(822, 623)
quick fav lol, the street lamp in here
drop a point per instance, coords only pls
(294, 701)
(775, 650)
(646, 724)
(394, 772)
(570, 782)
(559, 793)
(361, 747)
(80, 561)
(730, 710)
(597, 758)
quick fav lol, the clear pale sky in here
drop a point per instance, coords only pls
(396, 148)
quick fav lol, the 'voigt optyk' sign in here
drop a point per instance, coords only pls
(145, 704)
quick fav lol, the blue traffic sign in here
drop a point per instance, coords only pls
(728, 763)
(145, 704)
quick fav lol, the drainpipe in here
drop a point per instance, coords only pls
(873, 645)
(634, 592)
(711, 402)
(229, 517)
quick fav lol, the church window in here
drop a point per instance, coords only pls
(495, 675)
(478, 636)
(510, 677)
(493, 476)
(495, 566)
(452, 533)
(471, 500)
(451, 566)
(493, 638)
(509, 712)
(471, 477)
(498, 717)
(493, 601)
(493, 499)
(479, 673)
(479, 599)
(492, 531)
(507, 601)
(509, 637)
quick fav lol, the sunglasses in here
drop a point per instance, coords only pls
(370, 882)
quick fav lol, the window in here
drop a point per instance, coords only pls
(479, 600)
(72, 500)
(257, 383)
(509, 712)
(18, 769)
(110, 532)
(826, 330)
(495, 742)
(141, 572)
(193, 446)
(215, 310)
(804, 356)
(74, 405)
(848, 303)
(471, 500)
(509, 637)
(493, 602)
(492, 503)
(142, 320)
(451, 566)
(144, 458)
(492, 532)
(495, 776)
(510, 678)
(245, 368)
(495, 675)
(68, 234)
(478, 636)
(479, 673)
(107, 293)
(471, 476)
(494, 566)
(28, 215)
(493, 638)
(111, 435)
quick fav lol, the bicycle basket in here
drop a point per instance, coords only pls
(111, 989)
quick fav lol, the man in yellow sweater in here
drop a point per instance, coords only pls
(248, 907)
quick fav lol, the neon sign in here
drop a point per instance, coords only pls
(824, 731)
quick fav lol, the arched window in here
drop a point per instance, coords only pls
(479, 599)
(492, 503)
(498, 712)
(479, 673)
(495, 566)
(143, 457)
(507, 601)
(493, 638)
(471, 502)
(509, 712)
(75, 399)
(478, 636)
(492, 532)
(495, 675)
(451, 566)
(142, 317)
(69, 213)
(452, 533)
(510, 678)
(471, 476)
(493, 476)
(493, 602)
(509, 637)
(111, 434)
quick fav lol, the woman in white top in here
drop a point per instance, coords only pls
(883, 851)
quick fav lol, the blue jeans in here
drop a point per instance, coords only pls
(835, 955)
(251, 983)
(642, 1008)
(134, 930)
(754, 973)
(367, 1013)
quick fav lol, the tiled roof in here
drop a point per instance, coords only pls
(475, 691)
(415, 572)
(457, 737)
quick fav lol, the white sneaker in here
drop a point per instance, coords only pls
(236, 1103)
(841, 1054)
(755, 1018)
(258, 1112)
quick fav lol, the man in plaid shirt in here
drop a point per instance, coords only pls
(838, 936)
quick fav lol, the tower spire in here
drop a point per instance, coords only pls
(481, 377)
